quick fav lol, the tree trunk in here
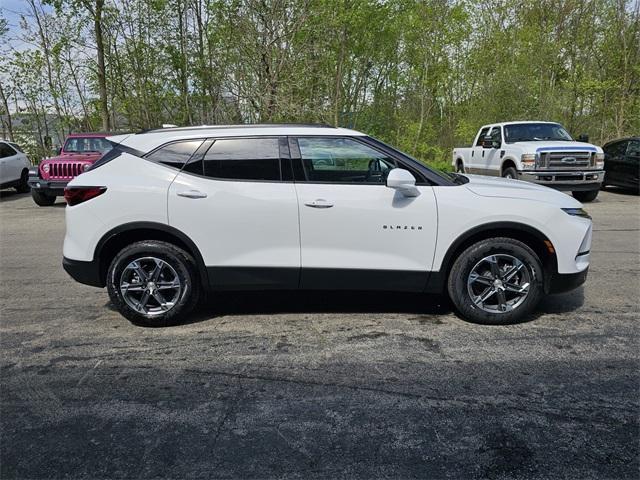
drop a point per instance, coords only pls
(5, 104)
(102, 77)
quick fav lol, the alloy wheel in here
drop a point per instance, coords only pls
(150, 286)
(499, 283)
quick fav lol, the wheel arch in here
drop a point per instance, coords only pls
(506, 163)
(116, 239)
(530, 236)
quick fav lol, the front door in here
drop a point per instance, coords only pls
(355, 232)
(232, 202)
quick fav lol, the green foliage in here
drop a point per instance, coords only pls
(420, 74)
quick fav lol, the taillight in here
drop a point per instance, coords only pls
(76, 195)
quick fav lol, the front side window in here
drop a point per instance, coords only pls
(343, 160)
(496, 135)
(175, 154)
(535, 132)
(86, 145)
(243, 159)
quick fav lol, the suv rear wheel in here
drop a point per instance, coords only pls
(42, 199)
(496, 281)
(153, 283)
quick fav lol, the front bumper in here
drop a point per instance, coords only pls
(565, 282)
(52, 187)
(83, 272)
(565, 180)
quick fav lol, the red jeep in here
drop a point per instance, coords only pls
(80, 151)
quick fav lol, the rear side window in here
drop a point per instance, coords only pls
(6, 151)
(243, 159)
(175, 154)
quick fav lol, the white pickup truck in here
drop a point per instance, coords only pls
(538, 152)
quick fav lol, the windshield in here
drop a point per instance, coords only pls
(86, 145)
(534, 132)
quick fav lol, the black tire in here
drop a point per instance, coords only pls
(23, 185)
(460, 166)
(181, 267)
(42, 199)
(473, 256)
(510, 172)
(586, 195)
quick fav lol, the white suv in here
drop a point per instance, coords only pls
(172, 213)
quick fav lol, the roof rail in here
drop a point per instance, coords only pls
(243, 125)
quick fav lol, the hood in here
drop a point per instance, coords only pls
(546, 146)
(507, 188)
(74, 157)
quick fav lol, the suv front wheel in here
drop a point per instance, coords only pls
(153, 283)
(496, 281)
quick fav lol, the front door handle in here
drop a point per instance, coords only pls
(319, 203)
(192, 194)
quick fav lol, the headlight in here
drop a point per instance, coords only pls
(528, 161)
(599, 161)
(86, 167)
(45, 168)
(577, 212)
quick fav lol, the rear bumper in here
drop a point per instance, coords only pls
(565, 282)
(52, 187)
(83, 272)
(565, 180)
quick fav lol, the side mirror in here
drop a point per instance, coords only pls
(583, 138)
(402, 180)
(59, 151)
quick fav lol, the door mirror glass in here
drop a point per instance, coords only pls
(402, 180)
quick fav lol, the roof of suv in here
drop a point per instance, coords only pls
(150, 139)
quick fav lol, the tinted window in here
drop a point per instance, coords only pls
(343, 160)
(616, 149)
(243, 159)
(633, 150)
(483, 133)
(175, 154)
(86, 145)
(6, 151)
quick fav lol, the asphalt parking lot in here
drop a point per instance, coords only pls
(317, 385)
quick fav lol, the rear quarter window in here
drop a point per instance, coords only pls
(175, 154)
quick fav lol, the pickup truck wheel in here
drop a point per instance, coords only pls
(496, 281)
(153, 283)
(42, 199)
(23, 186)
(585, 195)
(510, 172)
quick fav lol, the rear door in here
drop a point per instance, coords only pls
(233, 202)
(355, 232)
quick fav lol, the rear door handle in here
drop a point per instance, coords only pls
(192, 194)
(319, 203)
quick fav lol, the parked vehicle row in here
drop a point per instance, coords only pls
(163, 217)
